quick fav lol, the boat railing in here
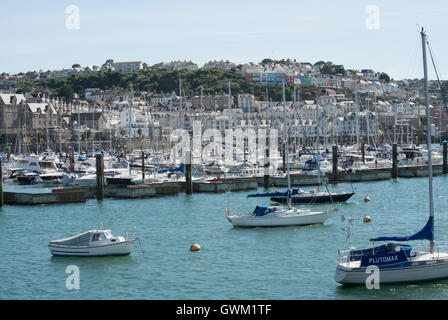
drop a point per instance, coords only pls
(132, 229)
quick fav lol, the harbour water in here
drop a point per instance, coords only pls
(233, 263)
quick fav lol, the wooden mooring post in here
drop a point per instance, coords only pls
(99, 177)
(445, 162)
(335, 163)
(143, 166)
(188, 178)
(1, 182)
(363, 151)
(266, 169)
(394, 161)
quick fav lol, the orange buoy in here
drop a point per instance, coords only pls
(367, 219)
(366, 199)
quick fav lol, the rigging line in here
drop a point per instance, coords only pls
(412, 61)
(433, 60)
(437, 75)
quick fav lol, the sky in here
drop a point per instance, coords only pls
(379, 35)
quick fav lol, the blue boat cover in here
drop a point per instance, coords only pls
(314, 160)
(181, 168)
(271, 194)
(261, 211)
(426, 233)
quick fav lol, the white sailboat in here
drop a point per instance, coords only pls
(276, 216)
(399, 263)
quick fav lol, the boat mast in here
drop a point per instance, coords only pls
(428, 134)
(60, 127)
(285, 126)
(317, 145)
(79, 130)
(180, 103)
(358, 109)
(200, 114)
(131, 97)
(229, 105)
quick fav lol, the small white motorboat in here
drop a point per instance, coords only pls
(92, 243)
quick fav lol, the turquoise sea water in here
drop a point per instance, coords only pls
(260, 263)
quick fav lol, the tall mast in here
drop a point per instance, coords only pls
(110, 128)
(79, 130)
(295, 126)
(229, 105)
(317, 145)
(357, 114)
(428, 136)
(368, 117)
(180, 103)
(200, 114)
(46, 127)
(285, 132)
(131, 97)
(60, 129)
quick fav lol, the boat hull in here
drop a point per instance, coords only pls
(411, 274)
(116, 249)
(263, 221)
(341, 197)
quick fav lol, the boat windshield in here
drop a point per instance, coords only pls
(107, 234)
(46, 165)
(98, 236)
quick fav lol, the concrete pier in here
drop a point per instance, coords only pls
(226, 184)
(297, 180)
(55, 197)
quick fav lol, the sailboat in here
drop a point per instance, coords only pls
(310, 196)
(276, 216)
(397, 262)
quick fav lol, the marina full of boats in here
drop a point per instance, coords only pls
(49, 168)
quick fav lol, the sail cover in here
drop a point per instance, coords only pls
(426, 233)
(286, 194)
(181, 168)
(269, 194)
